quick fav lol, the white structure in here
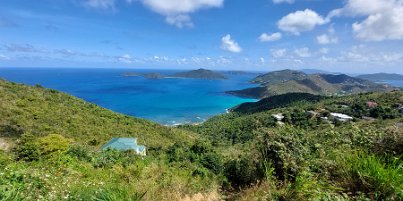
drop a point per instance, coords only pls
(278, 117)
(341, 117)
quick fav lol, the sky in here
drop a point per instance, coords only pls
(351, 36)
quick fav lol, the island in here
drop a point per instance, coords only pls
(153, 75)
(130, 74)
(194, 74)
(381, 77)
(291, 81)
(201, 74)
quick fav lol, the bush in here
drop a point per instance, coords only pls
(53, 144)
(380, 178)
(178, 152)
(27, 149)
(391, 143)
(81, 153)
(287, 150)
(243, 172)
(212, 161)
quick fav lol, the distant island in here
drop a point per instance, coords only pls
(194, 74)
(381, 76)
(290, 81)
(237, 72)
(201, 74)
(130, 74)
(153, 75)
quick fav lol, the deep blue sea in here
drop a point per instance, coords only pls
(167, 101)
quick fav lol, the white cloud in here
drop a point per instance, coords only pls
(303, 52)
(25, 48)
(383, 19)
(324, 50)
(283, 1)
(127, 59)
(230, 45)
(179, 21)
(277, 53)
(300, 21)
(4, 57)
(265, 37)
(100, 4)
(177, 11)
(262, 60)
(326, 39)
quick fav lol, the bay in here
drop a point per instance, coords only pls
(168, 101)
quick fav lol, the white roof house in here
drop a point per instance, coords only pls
(278, 117)
(341, 117)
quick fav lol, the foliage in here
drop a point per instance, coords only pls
(52, 144)
(40, 112)
(381, 178)
(279, 101)
(201, 153)
(248, 155)
(244, 171)
(27, 149)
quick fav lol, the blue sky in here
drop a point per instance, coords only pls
(352, 36)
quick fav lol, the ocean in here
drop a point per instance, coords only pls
(168, 101)
(397, 83)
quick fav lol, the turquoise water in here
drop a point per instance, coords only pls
(167, 101)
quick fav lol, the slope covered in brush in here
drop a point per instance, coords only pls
(40, 111)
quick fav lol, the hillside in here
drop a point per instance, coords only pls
(278, 77)
(49, 150)
(381, 76)
(307, 155)
(288, 81)
(273, 102)
(43, 111)
(52, 141)
(201, 74)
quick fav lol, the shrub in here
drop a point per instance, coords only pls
(391, 143)
(243, 171)
(53, 144)
(380, 178)
(212, 161)
(81, 153)
(178, 152)
(287, 150)
(27, 149)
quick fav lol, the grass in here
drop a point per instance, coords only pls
(246, 155)
(40, 111)
(380, 177)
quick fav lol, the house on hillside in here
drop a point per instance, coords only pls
(125, 144)
(372, 104)
(278, 117)
(340, 117)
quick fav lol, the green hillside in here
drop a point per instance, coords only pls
(43, 111)
(49, 150)
(288, 81)
(308, 155)
(201, 74)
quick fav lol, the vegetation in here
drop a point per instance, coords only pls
(289, 81)
(201, 74)
(246, 154)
